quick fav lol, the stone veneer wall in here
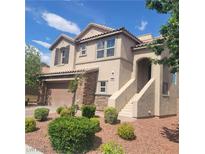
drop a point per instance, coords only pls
(86, 90)
(101, 102)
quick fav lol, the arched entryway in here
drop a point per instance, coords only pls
(143, 72)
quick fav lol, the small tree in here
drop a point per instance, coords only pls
(169, 32)
(73, 86)
(32, 66)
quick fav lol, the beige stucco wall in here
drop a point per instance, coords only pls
(63, 67)
(106, 68)
(168, 103)
(144, 105)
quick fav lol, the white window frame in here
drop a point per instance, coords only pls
(105, 48)
(81, 50)
(99, 86)
(62, 56)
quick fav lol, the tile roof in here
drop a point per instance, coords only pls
(64, 72)
(145, 44)
(122, 29)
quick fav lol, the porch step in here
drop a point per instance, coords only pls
(127, 111)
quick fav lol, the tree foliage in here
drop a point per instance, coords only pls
(32, 66)
(169, 32)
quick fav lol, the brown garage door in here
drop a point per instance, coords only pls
(58, 94)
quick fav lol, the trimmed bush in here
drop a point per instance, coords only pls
(96, 122)
(111, 148)
(41, 114)
(71, 134)
(67, 112)
(110, 115)
(126, 131)
(88, 111)
(59, 109)
(30, 124)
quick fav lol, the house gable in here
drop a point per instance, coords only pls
(92, 30)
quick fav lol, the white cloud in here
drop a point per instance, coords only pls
(44, 44)
(59, 23)
(143, 25)
(45, 57)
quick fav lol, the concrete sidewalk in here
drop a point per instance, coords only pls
(30, 150)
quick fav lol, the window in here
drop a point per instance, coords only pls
(82, 50)
(100, 49)
(102, 87)
(165, 88)
(105, 48)
(174, 78)
(63, 56)
(166, 81)
(110, 47)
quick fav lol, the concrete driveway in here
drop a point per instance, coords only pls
(30, 109)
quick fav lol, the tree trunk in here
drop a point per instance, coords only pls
(73, 98)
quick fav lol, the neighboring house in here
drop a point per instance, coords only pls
(117, 72)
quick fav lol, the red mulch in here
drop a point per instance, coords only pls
(154, 136)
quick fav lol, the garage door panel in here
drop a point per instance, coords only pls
(58, 94)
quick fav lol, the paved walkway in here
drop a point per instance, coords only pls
(30, 112)
(30, 150)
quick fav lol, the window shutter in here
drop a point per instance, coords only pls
(66, 55)
(56, 57)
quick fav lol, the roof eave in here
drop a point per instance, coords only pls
(62, 36)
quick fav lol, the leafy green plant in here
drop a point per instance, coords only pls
(88, 111)
(111, 148)
(70, 111)
(71, 134)
(96, 122)
(30, 124)
(126, 131)
(110, 115)
(32, 66)
(169, 32)
(59, 109)
(41, 114)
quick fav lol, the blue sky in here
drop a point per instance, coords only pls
(46, 19)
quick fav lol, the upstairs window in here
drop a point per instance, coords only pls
(100, 49)
(61, 56)
(83, 50)
(110, 47)
(106, 48)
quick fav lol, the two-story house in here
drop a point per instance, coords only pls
(116, 70)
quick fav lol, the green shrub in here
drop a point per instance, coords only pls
(111, 148)
(30, 124)
(41, 114)
(88, 111)
(71, 134)
(110, 115)
(126, 131)
(96, 122)
(67, 112)
(59, 109)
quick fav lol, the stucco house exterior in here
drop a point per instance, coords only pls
(116, 71)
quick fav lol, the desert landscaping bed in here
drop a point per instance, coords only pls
(154, 136)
